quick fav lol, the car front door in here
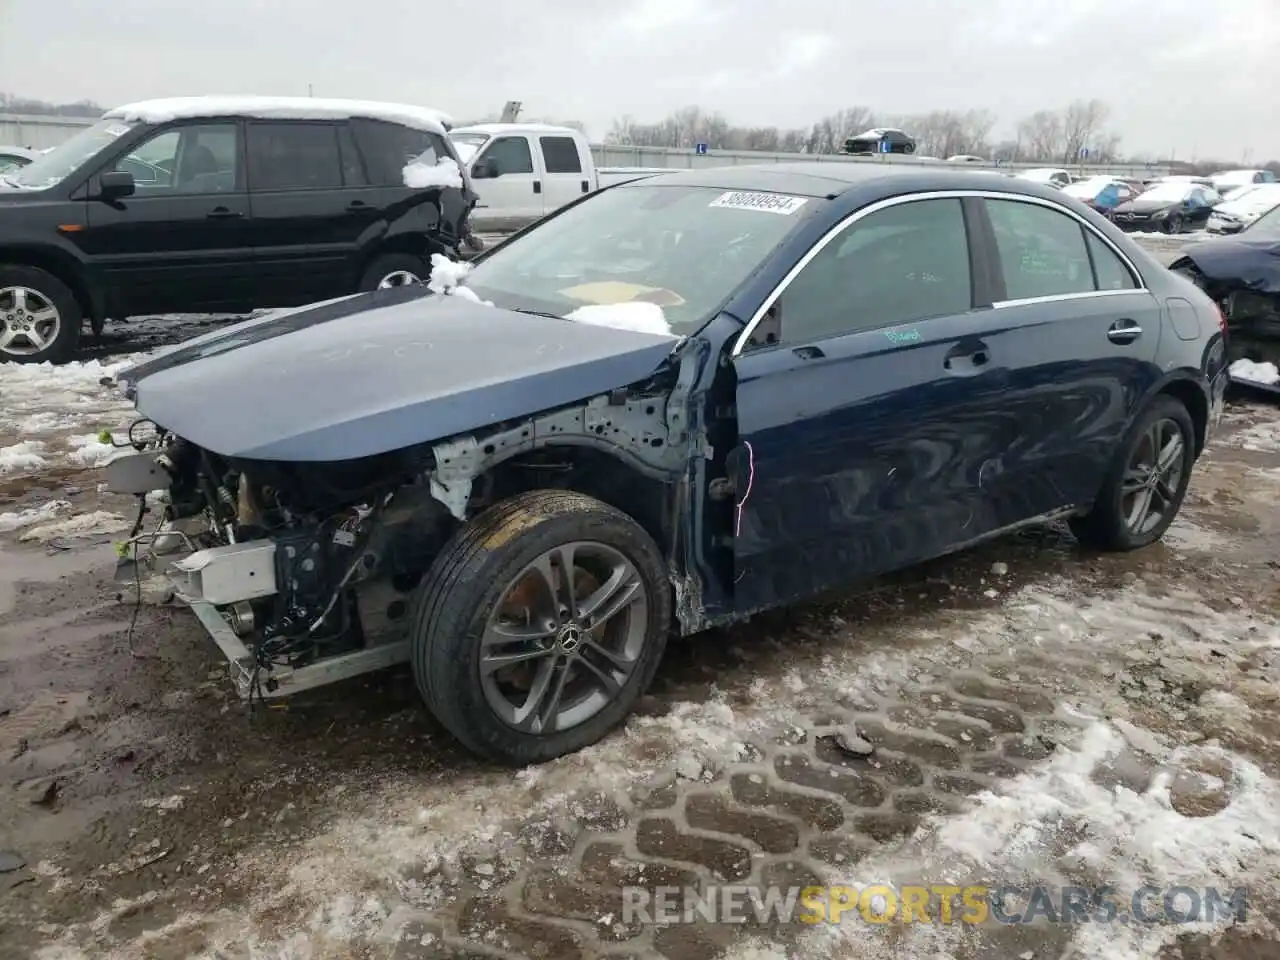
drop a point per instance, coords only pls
(1081, 334)
(508, 183)
(869, 405)
(564, 181)
(182, 242)
(307, 223)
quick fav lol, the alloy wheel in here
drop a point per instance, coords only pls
(29, 321)
(566, 636)
(1153, 477)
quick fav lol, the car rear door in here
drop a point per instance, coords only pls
(565, 179)
(511, 195)
(1080, 335)
(870, 406)
(307, 225)
(183, 241)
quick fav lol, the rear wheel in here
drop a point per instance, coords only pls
(1172, 224)
(539, 626)
(394, 270)
(39, 317)
(1146, 485)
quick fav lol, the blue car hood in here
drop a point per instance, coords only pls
(378, 372)
(1253, 264)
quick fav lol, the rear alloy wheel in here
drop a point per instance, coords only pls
(1145, 488)
(539, 626)
(393, 270)
(39, 317)
(1172, 224)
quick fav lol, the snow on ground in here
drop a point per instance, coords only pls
(47, 411)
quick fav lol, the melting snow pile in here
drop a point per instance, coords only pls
(637, 316)
(447, 276)
(45, 513)
(443, 173)
(1253, 372)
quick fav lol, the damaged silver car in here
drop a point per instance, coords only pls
(668, 406)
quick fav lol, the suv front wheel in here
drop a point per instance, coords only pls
(39, 317)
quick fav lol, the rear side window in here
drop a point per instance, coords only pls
(389, 147)
(293, 156)
(561, 154)
(1109, 269)
(353, 174)
(1042, 251)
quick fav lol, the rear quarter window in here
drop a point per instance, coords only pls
(387, 148)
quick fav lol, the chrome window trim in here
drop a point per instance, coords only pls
(879, 205)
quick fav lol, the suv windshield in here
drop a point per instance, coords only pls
(467, 144)
(50, 168)
(683, 248)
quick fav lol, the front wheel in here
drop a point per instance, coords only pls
(39, 317)
(1145, 487)
(393, 270)
(1172, 224)
(539, 625)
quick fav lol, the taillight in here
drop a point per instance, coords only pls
(1222, 319)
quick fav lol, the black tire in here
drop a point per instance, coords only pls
(390, 264)
(62, 345)
(470, 578)
(1106, 526)
(1172, 224)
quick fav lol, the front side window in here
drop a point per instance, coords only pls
(195, 159)
(508, 155)
(293, 156)
(686, 249)
(1042, 251)
(51, 168)
(904, 263)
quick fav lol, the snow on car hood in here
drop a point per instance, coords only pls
(378, 372)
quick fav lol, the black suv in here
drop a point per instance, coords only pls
(207, 205)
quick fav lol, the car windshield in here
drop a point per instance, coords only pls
(683, 248)
(1174, 192)
(50, 168)
(1261, 198)
(1267, 226)
(467, 144)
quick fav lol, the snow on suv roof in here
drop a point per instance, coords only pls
(281, 108)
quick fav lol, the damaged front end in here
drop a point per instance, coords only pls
(306, 573)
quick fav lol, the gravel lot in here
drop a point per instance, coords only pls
(1038, 714)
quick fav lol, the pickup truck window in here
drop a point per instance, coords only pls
(560, 154)
(293, 156)
(510, 155)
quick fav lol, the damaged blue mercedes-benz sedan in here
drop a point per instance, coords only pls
(668, 406)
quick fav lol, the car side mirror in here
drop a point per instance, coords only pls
(115, 184)
(484, 170)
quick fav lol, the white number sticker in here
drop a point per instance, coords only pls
(764, 202)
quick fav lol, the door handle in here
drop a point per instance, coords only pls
(537, 186)
(1124, 331)
(357, 205)
(808, 353)
(586, 186)
(224, 213)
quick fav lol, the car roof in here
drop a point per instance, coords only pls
(833, 178)
(281, 108)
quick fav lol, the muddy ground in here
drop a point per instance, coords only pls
(1037, 713)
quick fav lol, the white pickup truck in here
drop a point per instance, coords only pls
(523, 171)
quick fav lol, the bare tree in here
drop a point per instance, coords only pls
(1041, 135)
(1081, 124)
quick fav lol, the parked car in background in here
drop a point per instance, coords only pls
(11, 158)
(1101, 193)
(881, 140)
(1169, 207)
(1054, 176)
(209, 204)
(765, 382)
(523, 171)
(1243, 207)
(1236, 178)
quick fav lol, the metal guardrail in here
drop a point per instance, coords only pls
(39, 132)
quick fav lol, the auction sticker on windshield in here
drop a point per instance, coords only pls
(765, 202)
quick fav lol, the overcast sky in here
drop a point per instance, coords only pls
(1195, 77)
